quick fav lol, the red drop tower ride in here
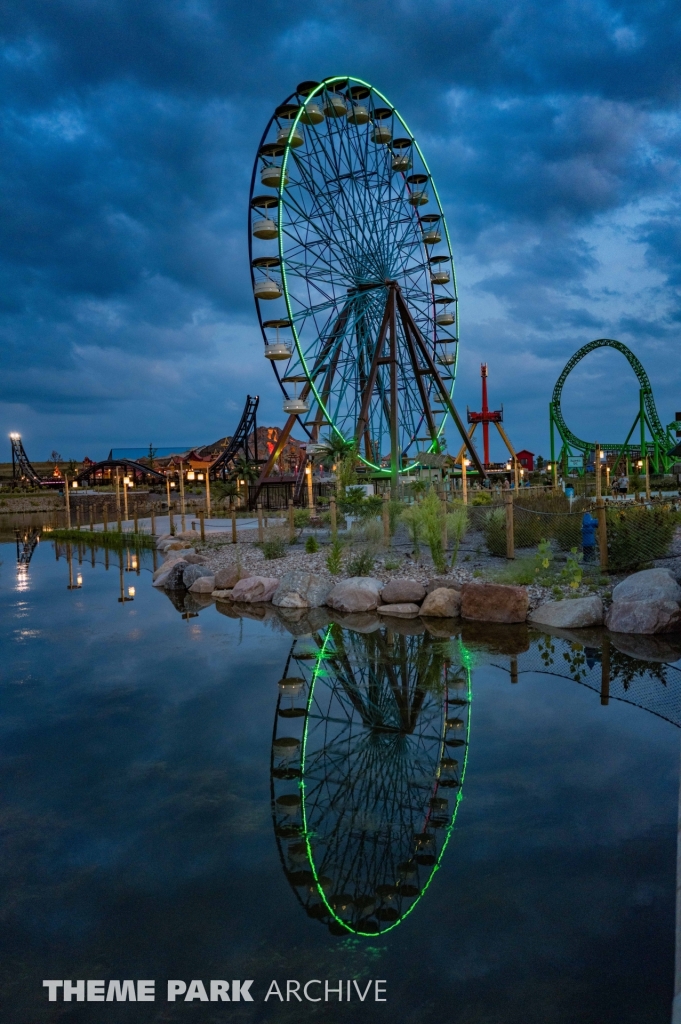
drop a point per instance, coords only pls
(486, 416)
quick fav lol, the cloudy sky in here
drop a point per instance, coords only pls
(128, 135)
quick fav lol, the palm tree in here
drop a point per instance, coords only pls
(336, 450)
(246, 471)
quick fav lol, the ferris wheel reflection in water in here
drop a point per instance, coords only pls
(368, 759)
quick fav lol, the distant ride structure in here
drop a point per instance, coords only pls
(349, 246)
(654, 440)
(22, 468)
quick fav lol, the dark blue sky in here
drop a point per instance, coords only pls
(128, 136)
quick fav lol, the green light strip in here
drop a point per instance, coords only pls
(280, 209)
(467, 664)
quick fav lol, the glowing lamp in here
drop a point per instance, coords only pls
(172, 483)
(79, 580)
(74, 485)
(640, 463)
(15, 437)
(200, 476)
(131, 592)
(190, 474)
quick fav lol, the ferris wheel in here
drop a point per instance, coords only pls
(368, 759)
(353, 275)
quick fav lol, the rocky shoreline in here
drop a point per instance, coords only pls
(645, 603)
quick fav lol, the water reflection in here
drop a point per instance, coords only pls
(368, 759)
(27, 541)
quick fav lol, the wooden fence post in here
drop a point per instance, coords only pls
(291, 524)
(386, 520)
(233, 525)
(508, 503)
(202, 524)
(261, 535)
(332, 507)
(602, 532)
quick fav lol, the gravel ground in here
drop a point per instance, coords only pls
(473, 563)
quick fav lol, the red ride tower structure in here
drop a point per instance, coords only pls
(486, 416)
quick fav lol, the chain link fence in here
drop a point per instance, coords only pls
(635, 535)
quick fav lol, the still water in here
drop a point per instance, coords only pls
(484, 824)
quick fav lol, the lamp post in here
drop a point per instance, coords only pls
(67, 501)
(182, 509)
(310, 498)
(597, 468)
(464, 479)
(208, 492)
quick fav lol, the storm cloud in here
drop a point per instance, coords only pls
(128, 137)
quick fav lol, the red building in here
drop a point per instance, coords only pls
(526, 460)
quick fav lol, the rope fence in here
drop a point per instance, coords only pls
(607, 536)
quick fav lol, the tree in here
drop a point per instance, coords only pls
(55, 457)
(343, 454)
(152, 455)
(539, 463)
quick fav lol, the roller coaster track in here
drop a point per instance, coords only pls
(662, 439)
(22, 468)
(239, 446)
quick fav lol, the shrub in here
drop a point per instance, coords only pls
(432, 514)
(482, 498)
(311, 545)
(411, 517)
(457, 524)
(361, 565)
(301, 517)
(639, 534)
(494, 529)
(334, 557)
(394, 511)
(274, 548)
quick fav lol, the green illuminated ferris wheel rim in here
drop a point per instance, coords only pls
(392, 796)
(348, 224)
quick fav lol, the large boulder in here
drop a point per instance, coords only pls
(221, 595)
(574, 613)
(160, 579)
(493, 602)
(255, 589)
(227, 577)
(643, 616)
(442, 602)
(301, 590)
(196, 559)
(403, 592)
(443, 581)
(194, 572)
(203, 585)
(648, 585)
(356, 594)
(174, 579)
(646, 602)
(167, 566)
(402, 610)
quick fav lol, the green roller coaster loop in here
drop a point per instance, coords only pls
(657, 446)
